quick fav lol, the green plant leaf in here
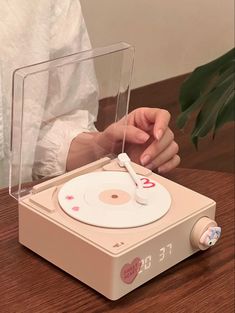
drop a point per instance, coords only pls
(227, 112)
(227, 74)
(199, 81)
(183, 117)
(207, 116)
(209, 91)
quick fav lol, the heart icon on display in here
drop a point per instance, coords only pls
(130, 271)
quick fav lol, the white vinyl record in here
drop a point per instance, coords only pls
(107, 199)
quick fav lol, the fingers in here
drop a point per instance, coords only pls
(161, 154)
(146, 118)
(148, 138)
(168, 166)
(161, 124)
(156, 147)
(116, 132)
(141, 124)
(164, 156)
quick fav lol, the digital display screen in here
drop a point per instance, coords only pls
(163, 253)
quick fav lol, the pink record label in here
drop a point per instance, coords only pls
(130, 271)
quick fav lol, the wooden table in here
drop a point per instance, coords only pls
(202, 283)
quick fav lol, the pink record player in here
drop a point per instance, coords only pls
(111, 223)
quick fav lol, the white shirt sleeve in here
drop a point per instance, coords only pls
(53, 145)
(72, 102)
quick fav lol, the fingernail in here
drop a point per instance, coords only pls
(159, 134)
(143, 137)
(151, 166)
(145, 159)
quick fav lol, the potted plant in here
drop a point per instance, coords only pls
(209, 92)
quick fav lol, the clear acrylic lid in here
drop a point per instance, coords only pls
(53, 102)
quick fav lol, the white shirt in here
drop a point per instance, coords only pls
(32, 32)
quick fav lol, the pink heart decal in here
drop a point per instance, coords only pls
(75, 208)
(130, 271)
(69, 197)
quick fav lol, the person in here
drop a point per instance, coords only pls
(35, 31)
(149, 141)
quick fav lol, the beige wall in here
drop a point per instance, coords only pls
(170, 37)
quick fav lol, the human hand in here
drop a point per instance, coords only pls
(149, 140)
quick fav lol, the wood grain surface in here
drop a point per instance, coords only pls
(201, 283)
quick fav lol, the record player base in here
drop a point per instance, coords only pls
(113, 275)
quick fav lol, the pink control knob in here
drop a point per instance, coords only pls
(205, 233)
